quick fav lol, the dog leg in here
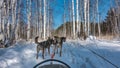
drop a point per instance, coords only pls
(60, 50)
(43, 53)
(37, 52)
(49, 50)
(57, 49)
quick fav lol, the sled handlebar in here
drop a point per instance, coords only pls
(52, 60)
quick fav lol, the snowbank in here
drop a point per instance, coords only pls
(91, 38)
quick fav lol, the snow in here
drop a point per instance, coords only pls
(76, 53)
(108, 49)
(1, 36)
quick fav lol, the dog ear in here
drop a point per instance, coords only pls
(36, 37)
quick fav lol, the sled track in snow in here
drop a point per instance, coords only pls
(100, 56)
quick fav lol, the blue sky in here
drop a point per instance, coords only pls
(104, 6)
(58, 9)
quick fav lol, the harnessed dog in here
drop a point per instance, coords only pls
(58, 42)
(42, 46)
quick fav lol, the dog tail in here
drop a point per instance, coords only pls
(36, 39)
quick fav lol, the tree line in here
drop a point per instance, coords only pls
(25, 19)
(108, 27)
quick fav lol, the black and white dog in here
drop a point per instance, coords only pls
(58, 42)
(43, 45)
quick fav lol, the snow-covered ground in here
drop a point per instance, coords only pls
(77, 54)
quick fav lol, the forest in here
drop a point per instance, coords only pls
(26, 19)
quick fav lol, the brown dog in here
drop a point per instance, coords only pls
(43, 45)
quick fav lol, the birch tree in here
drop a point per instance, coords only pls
(14, 34)
(9, 27)
(118, 16)
(0, 18)
(85, 16)
(5, 19)
(88, 21)
(81, 16)
(73, 19)
(44, 19)
(51, 21)
(64, 20)
(38, 12)
(77, 11)
(47, 19)
(1, 15)
(28, 18)
(70, 17)
(40, 9)
(94, 16)
(98, 18)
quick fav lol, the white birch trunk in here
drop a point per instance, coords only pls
(1, 15)
(85, 16)
(28, 17)
(44, 19)
(17, 26)
(51, 22)
(47, 19)
(117, 28)
(13, 11)
(1, 5)
(99, 25)
(81, 15)
(8, 31)
(38, 18)
(8, 20)
(98, 19)
(77, 11)
(39, 7)
(18, 23)
(94, 14)
(13, 20)
(64, 18)
(88, 17)
(5, 21)
(40, 34)
(70, 18)
(0, 20)
(73, 17)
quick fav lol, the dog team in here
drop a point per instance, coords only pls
(56, 41)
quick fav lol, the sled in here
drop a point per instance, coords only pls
(51, 65)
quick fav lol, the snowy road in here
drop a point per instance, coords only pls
(75, 53)
(84, 58)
